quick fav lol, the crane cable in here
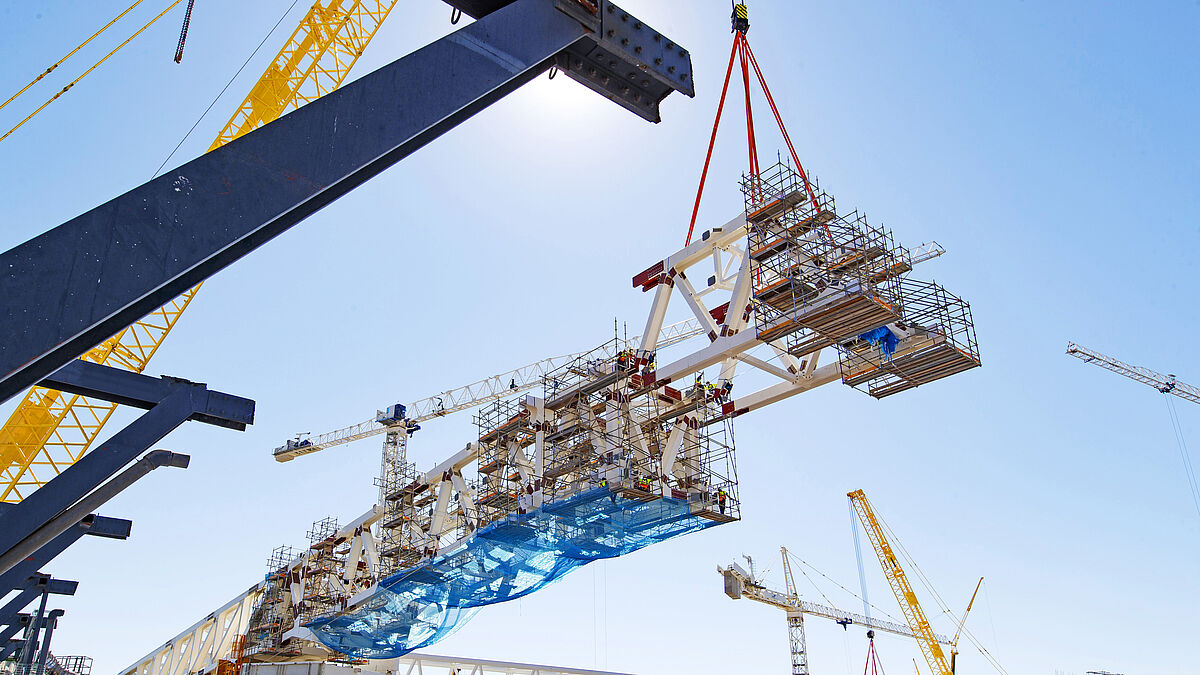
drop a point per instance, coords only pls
(225, 88)
(70, 54)
(89, 70)
(835, 583)
(1189, 471)
(924, 580)
(742, 53)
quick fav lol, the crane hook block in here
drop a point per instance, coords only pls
(741, 18)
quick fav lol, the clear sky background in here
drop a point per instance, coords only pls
(1049, 146)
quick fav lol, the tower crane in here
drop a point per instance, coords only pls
(456, 400)
(50, 430)
(742, 584)
(930, 645)
(1165, 384)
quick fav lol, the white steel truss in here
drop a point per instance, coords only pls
(652, 430)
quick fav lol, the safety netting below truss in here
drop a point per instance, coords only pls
(502, 561)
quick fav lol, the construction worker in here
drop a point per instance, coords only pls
(644, 483)
(721, 495)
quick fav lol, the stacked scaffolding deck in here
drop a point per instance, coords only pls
(605, 424)
(935, 339)
(819, 278)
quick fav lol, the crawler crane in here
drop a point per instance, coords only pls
(51, 430)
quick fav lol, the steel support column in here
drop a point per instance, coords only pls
(81, 282)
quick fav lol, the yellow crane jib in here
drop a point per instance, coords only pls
(913, 614)
(49, 430)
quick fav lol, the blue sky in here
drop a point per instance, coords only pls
(1050, 147)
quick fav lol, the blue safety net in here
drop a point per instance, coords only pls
(883, 338)
(502, 561)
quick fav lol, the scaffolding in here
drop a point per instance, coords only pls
(402, 496)
(819, 277)
(939, 341)
(822, 279)
(272, 615)
(323, 591)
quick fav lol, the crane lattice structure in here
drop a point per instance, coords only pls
(50, 430)
(1165, 384)
(929, 643)
(455, 400)
(742, 584)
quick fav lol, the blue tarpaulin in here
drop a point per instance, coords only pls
(883, 338)
(502, 561)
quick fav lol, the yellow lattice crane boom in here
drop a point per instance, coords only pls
(917, 621)
(50, 430)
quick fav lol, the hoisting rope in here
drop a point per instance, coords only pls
(69, 55)
(89, 70)
(742, 53)
(873, 665)
(1188, 470)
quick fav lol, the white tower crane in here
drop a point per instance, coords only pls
(456, 400)
(1166, 384)
(742, 584)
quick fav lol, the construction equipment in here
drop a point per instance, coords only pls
(163, 238)
(742, 584)
(930, 646)
(601, 449)
(49, 430)
(962, 622)
(454, 400)
(1168, 386)
(1165, 384)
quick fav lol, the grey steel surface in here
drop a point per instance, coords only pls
(76, 285)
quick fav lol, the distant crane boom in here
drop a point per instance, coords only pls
(1166, 384)
(462, 398)
(741, 584)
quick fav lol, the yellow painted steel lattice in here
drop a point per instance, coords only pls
(49, 431)
(917, 621)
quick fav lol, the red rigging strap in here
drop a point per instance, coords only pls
(745, 55)
(783, 129)
(712, 141)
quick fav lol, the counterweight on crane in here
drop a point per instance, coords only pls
(742, 584)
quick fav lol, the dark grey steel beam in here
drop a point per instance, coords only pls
(46, 532)
(171, 402)
(8, 645)
(72, 287)
(145, 392)
(93, 525)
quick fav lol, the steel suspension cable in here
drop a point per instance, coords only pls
(70, 54)
(89, 70)
(1188, 470)
(712, 142)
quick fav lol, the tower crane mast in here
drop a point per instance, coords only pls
(1166, 384)
(742, 584)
